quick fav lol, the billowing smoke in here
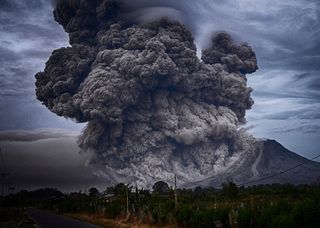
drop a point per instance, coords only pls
(153, 108)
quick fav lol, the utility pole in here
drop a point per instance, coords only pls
(3, 182)
(127, 196)
(11, 188)
(3, 174)
(175, 192)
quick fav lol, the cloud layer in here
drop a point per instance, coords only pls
(284, 34)
(36, 162)
(28, 35)
(35, 135)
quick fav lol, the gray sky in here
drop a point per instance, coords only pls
(50, 158)
(285, 35)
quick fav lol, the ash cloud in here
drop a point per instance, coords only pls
(152, 107)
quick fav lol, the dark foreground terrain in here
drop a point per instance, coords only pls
(122, 206)
(50, 220)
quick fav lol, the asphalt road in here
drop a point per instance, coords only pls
(45, 219)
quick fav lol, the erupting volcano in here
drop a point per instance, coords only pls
(153, 108)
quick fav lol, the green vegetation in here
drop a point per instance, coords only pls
(257, 206)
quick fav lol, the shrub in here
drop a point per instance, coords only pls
(245, 216)
(184, 215)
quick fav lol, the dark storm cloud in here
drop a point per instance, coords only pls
(28, 34)
(24, 135)
(304, 128)
(293, 35)
(20, 112)
(7, 55)
(38, 164)
(311, 80)
(309, 95)
(312, 114)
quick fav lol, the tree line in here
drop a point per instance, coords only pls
(255, 206)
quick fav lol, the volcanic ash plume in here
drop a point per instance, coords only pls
(153, 108)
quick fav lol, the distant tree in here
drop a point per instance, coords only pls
(198, 190)
(120, 189)
(230, 190)
(93, 192)
(46, 193)
(160, 187)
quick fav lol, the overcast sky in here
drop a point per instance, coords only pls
(285, 35)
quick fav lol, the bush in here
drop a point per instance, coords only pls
(230, 190)
(274, 215)
(245, 216)
(222, 214)
(114, 210)
(184, 216)
(203, 219)
(208, 217)
(281, 221)
(307, 213)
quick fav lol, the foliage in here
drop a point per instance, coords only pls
(230, 190)
(93, 192)
(245, 216)
(160, 187)
(256, 206)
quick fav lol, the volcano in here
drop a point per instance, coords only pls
(273, 164)
(154, 108)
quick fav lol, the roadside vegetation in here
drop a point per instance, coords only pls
(257, 206)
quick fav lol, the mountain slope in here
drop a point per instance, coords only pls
(271, 160)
